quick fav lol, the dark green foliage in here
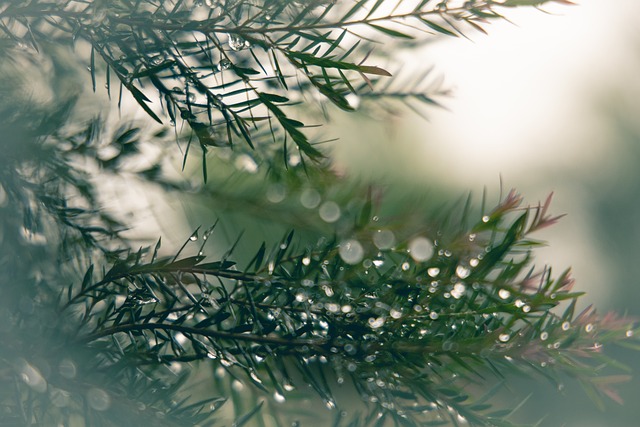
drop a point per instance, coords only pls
(418, 309)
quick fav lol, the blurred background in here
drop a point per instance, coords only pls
(548, 102)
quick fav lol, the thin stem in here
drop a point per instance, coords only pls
(205, 27)
(204, 332)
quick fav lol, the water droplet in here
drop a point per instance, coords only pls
(67, 368)
(329, 212)
(31, 376)
(544, 336)
(421, 249)
(224, 64)
(473, 262)
(330, 404)
(405, 266)
(276, 193)
(98, 399)
(157, 60)
(485, 218)
(526, 308)
(588, 327)
(458, 290)
(566, 326)
(376, 322)
(278, 397)
(378, 262)
(384, 239)
(472, 237)
(462, 271)
(59, 398)
(237, 43)
(346, 309)
(332, 307)
(629, 333)
(433, 271)
(310, 198)
(504, 337)
(417, 308)
(504, 294)
(351, 251)
(396, 314)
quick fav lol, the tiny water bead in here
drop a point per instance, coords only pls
(98, 399)
(588, 327)
(224, 64)
(329, 212)
(504, 294)
(629, 333)
(376, 322)
(384, 239)
(310, 198)
(67, 368)
(351, 251)
(544, 336)
(396, 314)
(433, 271)
(462, 271)
(504, 337)
(566, 326)
(421, 249)
(278, 397)
(31, 376)
(458, 290)
(276, 193)
(237, 43)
